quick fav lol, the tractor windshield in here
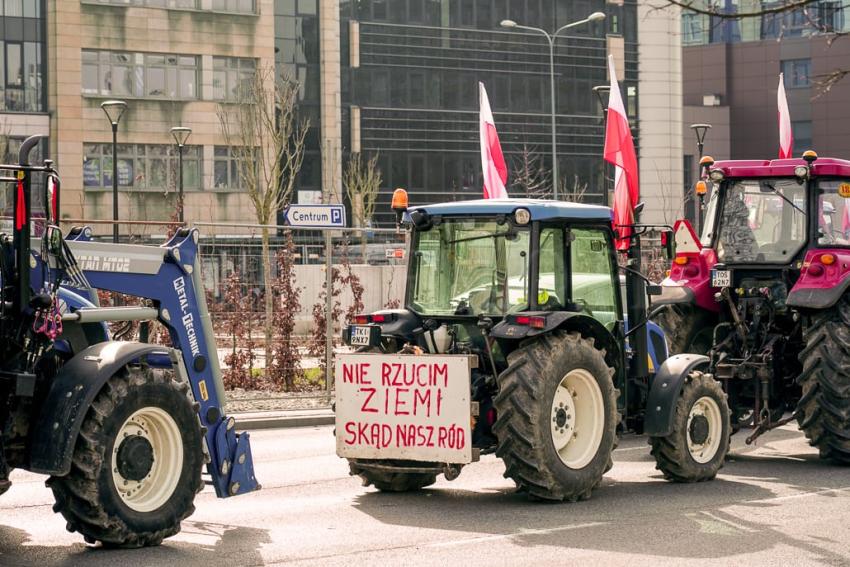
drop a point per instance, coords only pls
(834, 217)
(469, 267)
(763, 220)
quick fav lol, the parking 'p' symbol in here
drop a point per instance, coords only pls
(336, 216)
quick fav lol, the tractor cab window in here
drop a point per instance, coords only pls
(469, 267)
(834, 212)
(763, 220)
(710, 218)
(551, 285)
(593, 274)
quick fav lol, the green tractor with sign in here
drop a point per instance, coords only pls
(513, 340)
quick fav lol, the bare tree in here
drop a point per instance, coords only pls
(717, 11)
(575, 192)
(362, 180)
(530, 178)
(266, 138)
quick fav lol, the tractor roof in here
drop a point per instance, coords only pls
(539, 209)
(781, 167)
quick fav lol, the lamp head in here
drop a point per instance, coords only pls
(596, 16)
(181, 134)
(508, 24)
(114, 110)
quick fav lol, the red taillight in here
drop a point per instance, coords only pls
(691, 271)
(361, 319)
(523, 320)
(378, 319)
(537, 322)
(815, 270)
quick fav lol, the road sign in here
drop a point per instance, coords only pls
(315, 216)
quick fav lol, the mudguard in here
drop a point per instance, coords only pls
(71, 393)
(664, 392)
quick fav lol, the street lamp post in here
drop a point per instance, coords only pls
(180, 135)
(594, 17)
(600, 91)
(114, 110)
(700, 130)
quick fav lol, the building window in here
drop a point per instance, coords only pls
(141, 167)
(802, 130)
(692, 33)
(226, 174)
(230, 76)
(190, 4)
(830, 16)
(20, 76)
(797, 73)
(143, 75)
(238, 6)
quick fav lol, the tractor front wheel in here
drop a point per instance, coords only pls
(697, 447)
(556, 417)
(823, 411)
(137, 462)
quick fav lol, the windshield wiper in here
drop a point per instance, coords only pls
(482, 237)
(784, 198)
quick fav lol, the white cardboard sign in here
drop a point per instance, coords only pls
(396, 406)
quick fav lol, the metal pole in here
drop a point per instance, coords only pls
(329, 324)
(180, 161)
(115, 182)
(554, 125)
(701, 203)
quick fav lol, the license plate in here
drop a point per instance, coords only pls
(721, 278)
(360, 336)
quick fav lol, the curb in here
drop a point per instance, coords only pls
(283, 419)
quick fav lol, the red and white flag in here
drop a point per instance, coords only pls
(620, 151)
(786, 136)
(492, 160)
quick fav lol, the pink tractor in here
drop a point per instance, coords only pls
(761, 301)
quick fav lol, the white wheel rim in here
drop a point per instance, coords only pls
(577, 418)
(707, 450)
(163, 434)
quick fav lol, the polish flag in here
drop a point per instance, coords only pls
(492, 161)
(620, 151)
(786, 136)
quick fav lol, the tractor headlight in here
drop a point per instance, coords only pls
(522, 216)
(801, 171)
(716, 175)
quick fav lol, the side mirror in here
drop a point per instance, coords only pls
(668, 241)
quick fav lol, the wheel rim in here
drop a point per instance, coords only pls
(704, 429)
(577, 418)
(162, 475)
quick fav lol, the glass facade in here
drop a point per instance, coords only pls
(22, 84)
(820, 16)
(233, 6)
(416, 86)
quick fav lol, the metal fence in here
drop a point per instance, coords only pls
(369, 263)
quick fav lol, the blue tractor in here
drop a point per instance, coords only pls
(123, 429)
(529, 292)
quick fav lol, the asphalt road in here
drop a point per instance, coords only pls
(772, 505)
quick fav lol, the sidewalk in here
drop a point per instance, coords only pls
(252, 421)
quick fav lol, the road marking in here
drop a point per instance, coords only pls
(523, 532)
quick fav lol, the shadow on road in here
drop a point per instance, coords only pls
(217, 545)
(733, 515)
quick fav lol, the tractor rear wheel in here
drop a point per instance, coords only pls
(696, 449)
(823, 411)
(688, 328)
(137, 462)
(556, 417)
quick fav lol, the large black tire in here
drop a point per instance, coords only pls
(823, 411)
(690, 453)
(88, 496)
(392, 481)
(526, 408)
(687, 328)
